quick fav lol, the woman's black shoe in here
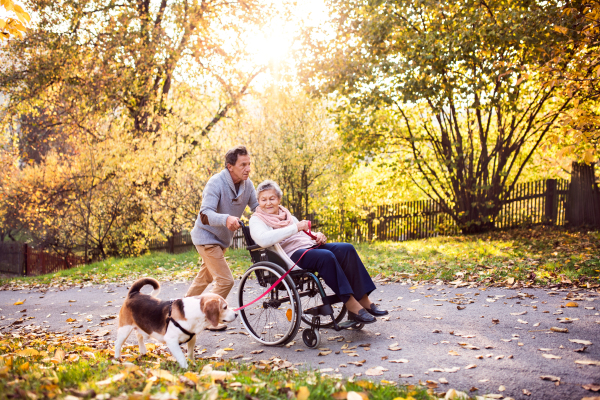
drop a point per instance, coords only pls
(376, 311)
(362, 317)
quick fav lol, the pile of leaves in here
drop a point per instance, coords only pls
(35, 363)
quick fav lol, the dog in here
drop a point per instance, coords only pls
(171, 322)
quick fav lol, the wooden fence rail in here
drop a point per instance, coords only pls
(22, 259)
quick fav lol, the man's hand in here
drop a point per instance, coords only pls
(321, 239)
(302, 225)
(232, 223)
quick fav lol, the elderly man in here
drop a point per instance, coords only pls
(224, 199)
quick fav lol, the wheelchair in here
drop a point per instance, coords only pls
(301, 297)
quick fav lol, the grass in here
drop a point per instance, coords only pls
(539, 255)
(45, 365)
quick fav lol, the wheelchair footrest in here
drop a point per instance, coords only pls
(324, 309)
(347, 324)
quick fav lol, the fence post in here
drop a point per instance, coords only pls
(24, 262)
(550, 209)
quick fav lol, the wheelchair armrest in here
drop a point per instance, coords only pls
(254, 247)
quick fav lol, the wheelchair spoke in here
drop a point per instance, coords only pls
(274, 318)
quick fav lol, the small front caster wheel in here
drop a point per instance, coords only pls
(311, 338)
(358, 327)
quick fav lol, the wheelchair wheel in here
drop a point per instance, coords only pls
(311, 338)
(313, 299)
(358, 327)
(274, 319)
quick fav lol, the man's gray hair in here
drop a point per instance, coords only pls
(269, 185)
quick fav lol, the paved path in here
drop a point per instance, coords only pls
(506, 354)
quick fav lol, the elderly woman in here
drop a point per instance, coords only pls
(272, 226)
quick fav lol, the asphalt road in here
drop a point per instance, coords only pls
(506, 352)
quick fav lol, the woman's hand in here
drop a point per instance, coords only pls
(321, 239)
(302, 225)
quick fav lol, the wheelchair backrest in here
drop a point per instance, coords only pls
(259, 254)
(246, 233)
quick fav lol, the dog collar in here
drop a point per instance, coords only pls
(181, 328)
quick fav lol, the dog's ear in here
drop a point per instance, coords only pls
(211, 309)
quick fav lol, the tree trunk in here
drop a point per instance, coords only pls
(583, 204)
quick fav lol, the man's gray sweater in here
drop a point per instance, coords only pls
(219, 201)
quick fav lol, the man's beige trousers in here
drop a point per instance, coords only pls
(213, 268)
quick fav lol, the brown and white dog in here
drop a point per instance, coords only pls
(148, 315)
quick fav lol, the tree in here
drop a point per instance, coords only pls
(451, 87)
(292, 141)
(11, 26)
(574, 67)
(93, 57)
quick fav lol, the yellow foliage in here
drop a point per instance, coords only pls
(303, 393)
(12, 26)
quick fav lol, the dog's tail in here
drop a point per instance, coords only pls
(140, 283)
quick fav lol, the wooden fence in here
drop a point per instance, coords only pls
(21, 259)
(529, 203)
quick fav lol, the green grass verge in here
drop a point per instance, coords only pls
(539, 255)
(45, 365)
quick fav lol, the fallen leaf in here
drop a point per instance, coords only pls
(19, 302)
(163, 374)
(355, 396)
(303, 393)
(374, 372)
(72, 301)
(550, 378)
(324, 353)
(580, 341)
(453, 394)
(522, 322)
(559, 330)
(406, 375)
(29, 352)
(358, 363)
(591, 386)
(588, 362)
(551, 356)
(518, 313)
(256, 351)
(571, 304)
(453, 353)
(461, 307)
(581, 350)
(471, 366)
(501, 388)
(526, 392)
(110, 380)
(399, 361)
(339, 395)
(443, 380)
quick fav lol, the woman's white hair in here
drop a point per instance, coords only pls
(269, 185)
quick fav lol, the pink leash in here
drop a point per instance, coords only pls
(309, 233)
